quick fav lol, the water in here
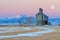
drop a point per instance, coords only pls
(39, 33)
(4, 30)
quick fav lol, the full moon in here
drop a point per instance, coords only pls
(52, 7)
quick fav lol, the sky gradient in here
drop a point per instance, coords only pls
(29, 7)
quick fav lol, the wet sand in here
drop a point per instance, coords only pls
(19, 32)
(48, 36)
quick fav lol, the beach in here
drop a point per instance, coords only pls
(31, 33)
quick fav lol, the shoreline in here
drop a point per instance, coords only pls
(39, 33)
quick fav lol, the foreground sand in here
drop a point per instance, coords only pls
(49, 36)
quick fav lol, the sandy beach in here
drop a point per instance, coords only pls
(46, 36)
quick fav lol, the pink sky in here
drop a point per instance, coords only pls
(29, 7)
